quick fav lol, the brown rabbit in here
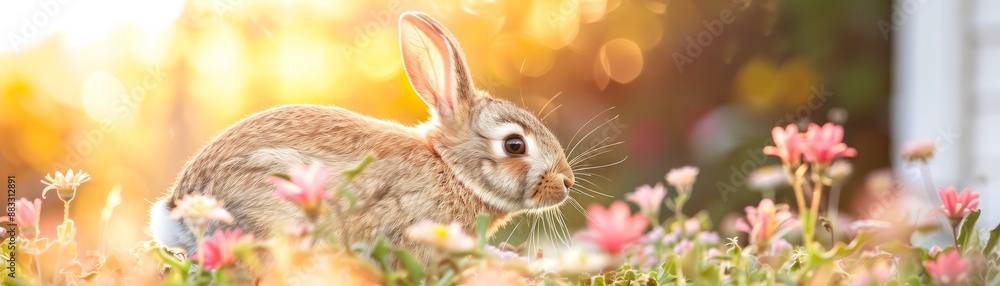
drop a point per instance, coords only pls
(476, 154)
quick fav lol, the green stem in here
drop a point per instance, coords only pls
(679, 214)
(344, 239)
(833, 204)
(34, 258)
(66, 210)
(814, 211)
(925, 174)
(801, 201)
(199, 233)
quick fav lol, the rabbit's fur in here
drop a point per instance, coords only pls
(447, 169)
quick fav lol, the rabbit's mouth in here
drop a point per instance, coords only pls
(550, 191)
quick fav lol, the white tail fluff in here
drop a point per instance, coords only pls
(172, 233)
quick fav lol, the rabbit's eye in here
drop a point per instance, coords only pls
(514, 145)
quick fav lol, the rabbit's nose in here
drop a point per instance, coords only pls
(566, 172)
(568, 182)
(568, 179)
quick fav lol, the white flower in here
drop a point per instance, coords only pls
(581, 259)
(500, 254)
(683, 178)
(200, 210)
(840, 170)
(446, 237)
(544, 265)
(768, 178)
(65, 185)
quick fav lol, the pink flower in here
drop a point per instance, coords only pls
(28, 213)
(613, 228)
(824, 144)
(307, 187)
(933, 251)
(779, 247)
(949, 269)
(491, 274)
(787, 145)
(764, 221)
(648, 198)
(222, 249)
(878, 273)
(957, 206)
(500, 254)
(449, 237)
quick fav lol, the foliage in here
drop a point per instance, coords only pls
(618, 248)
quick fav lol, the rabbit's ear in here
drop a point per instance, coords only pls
(435, 65)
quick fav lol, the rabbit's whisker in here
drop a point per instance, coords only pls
(558, 229)
(582, 193)
(520, 87)
(576, 204)
(571, 139)
(586, 174)
(592, 156)
(531, 235)
(550, 113)
(574, 159)
(512, 231)
(595, 148)
(547, 104)
(592, 191)
(589, 133)
(561, 220)
(549, 228)
(583, 180)
(601, 166)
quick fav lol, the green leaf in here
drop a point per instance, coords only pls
(709, 274)
(482, 224)
(180, 267)
(786, 279)
(344, 192)
(66, 230)
(668, 268)
(413, 268)
(994, 237)
(967, 229)
(380, 253)
(353, 172)
(599, 281)
(910, 257)
(448, 278)
(841, 250)
(280, 175)
(734, 247)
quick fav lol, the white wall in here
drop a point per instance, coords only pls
(947, 88)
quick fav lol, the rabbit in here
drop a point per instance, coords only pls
(476, 154)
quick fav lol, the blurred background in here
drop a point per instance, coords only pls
(129, 90)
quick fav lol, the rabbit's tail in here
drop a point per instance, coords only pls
(172, 233)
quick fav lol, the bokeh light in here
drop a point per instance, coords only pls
(129, 90)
